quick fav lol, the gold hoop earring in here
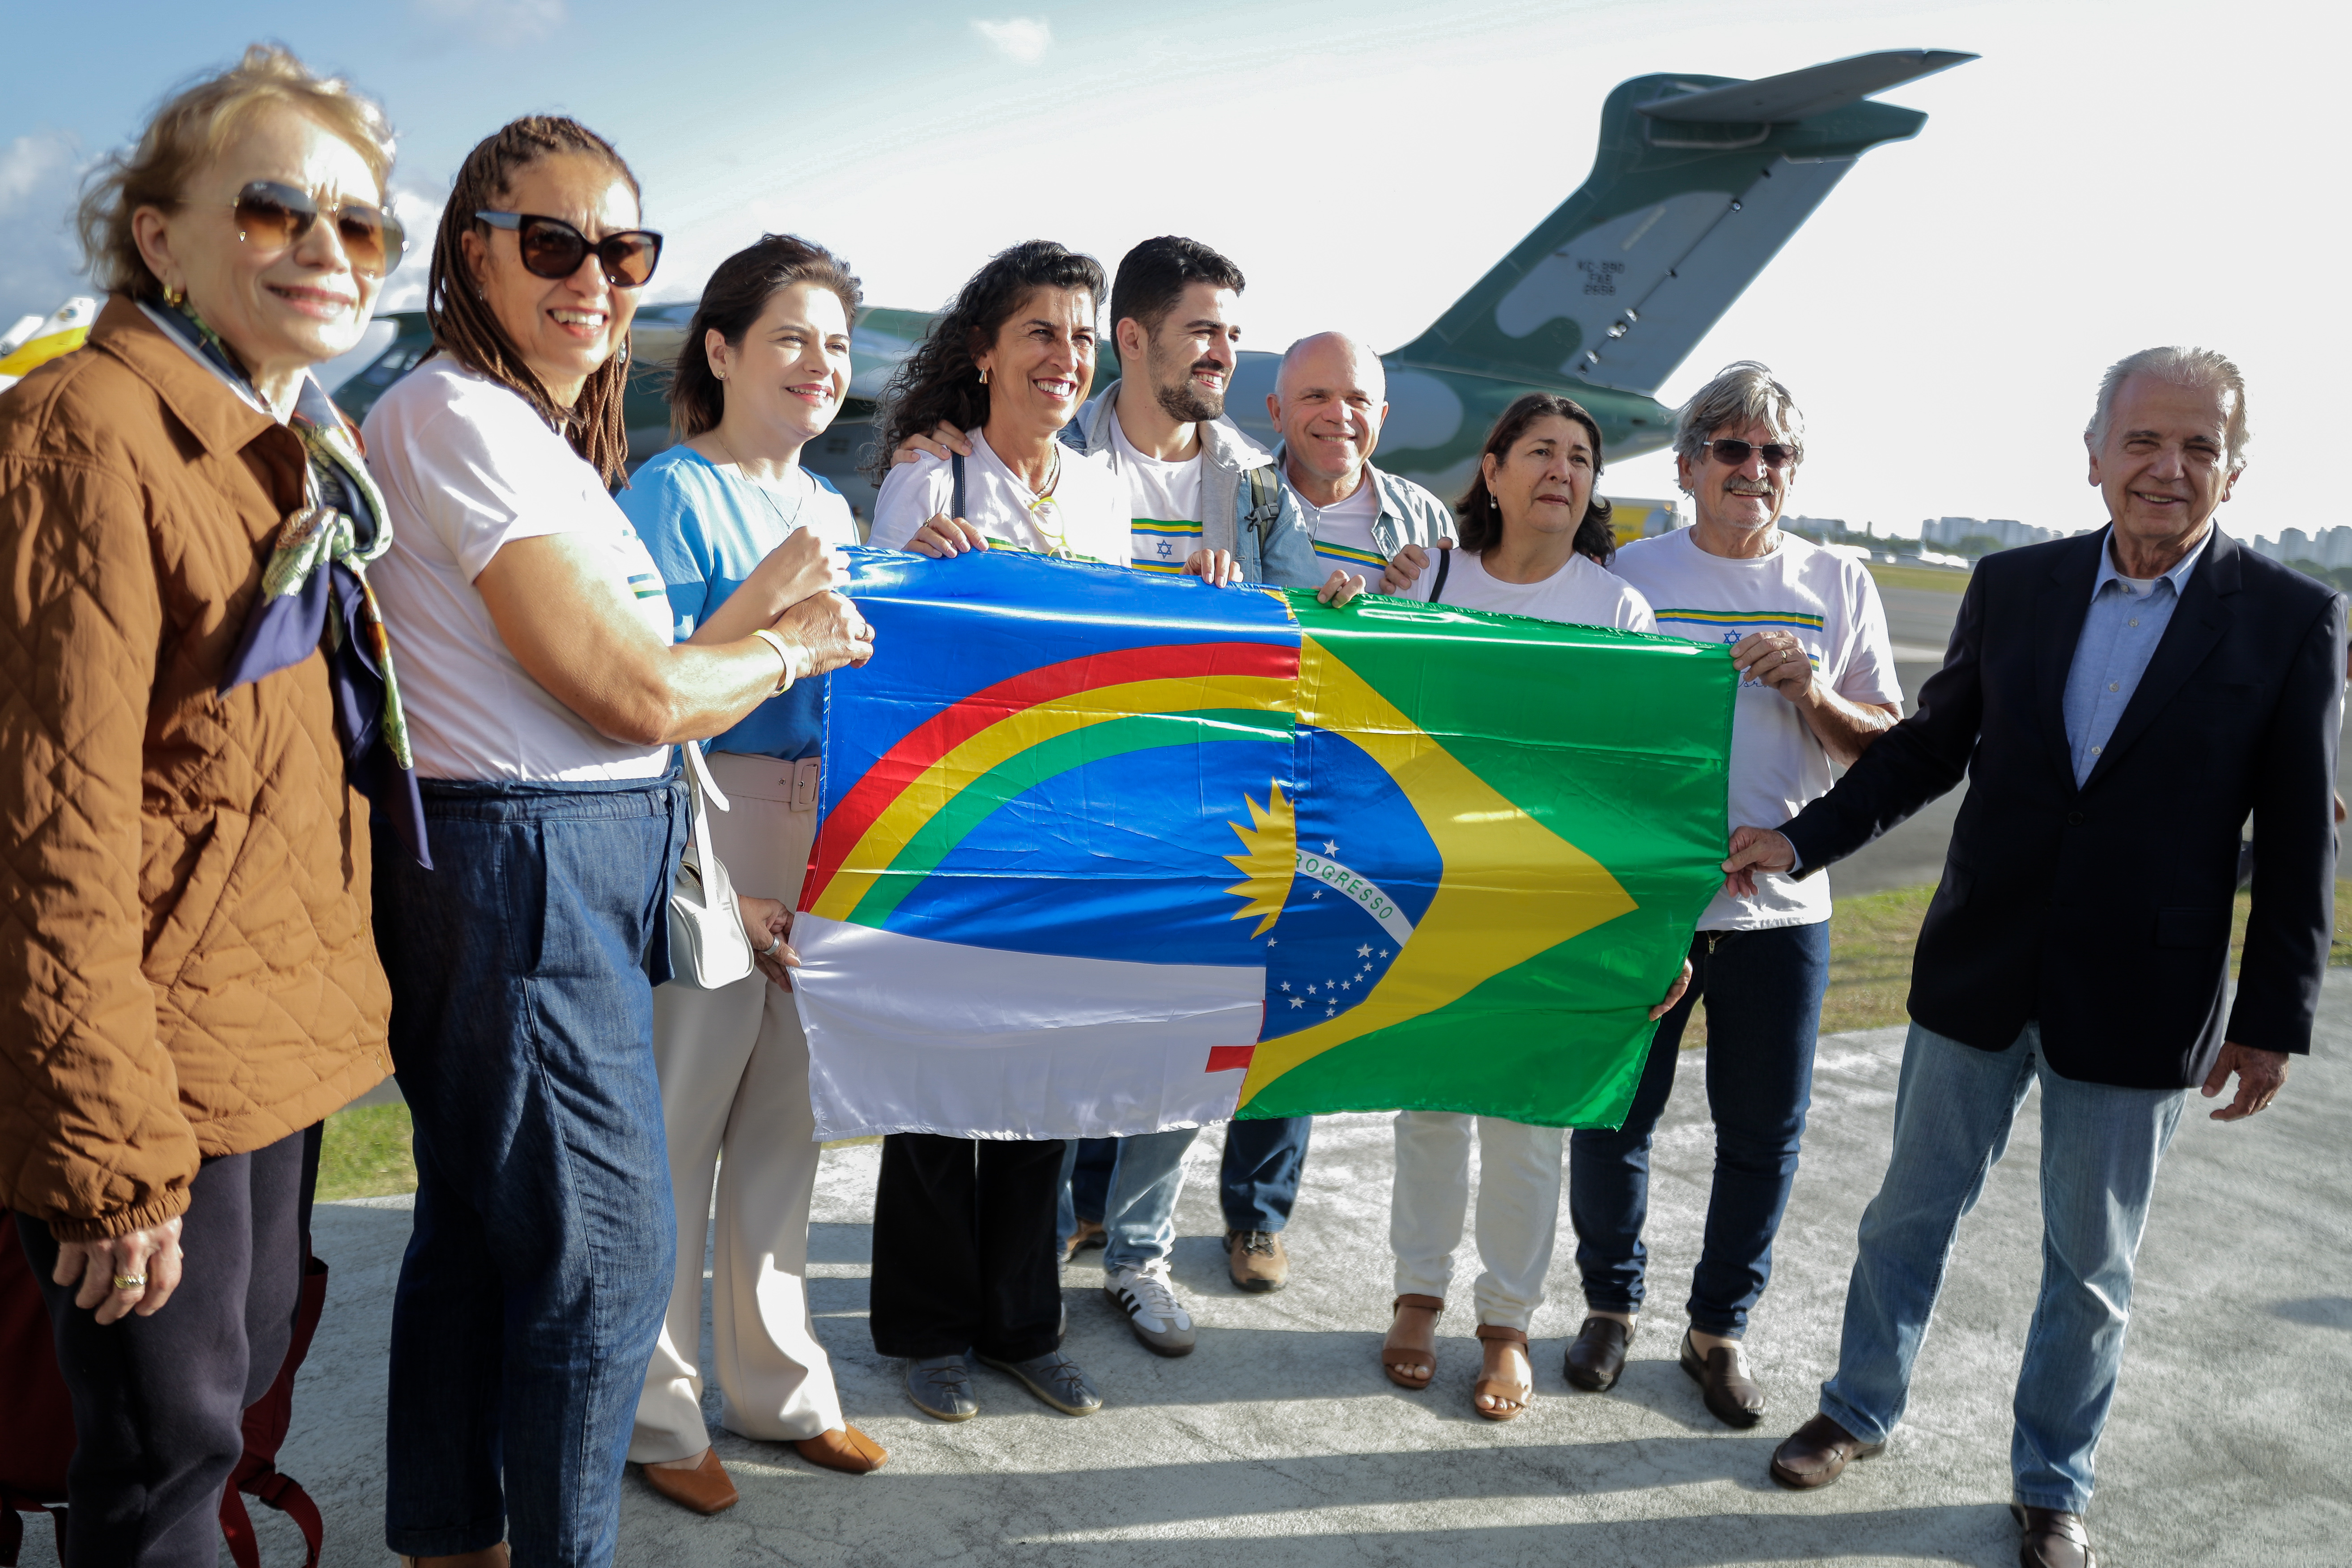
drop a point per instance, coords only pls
(174, 297)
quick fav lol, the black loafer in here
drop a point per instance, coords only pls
(1596, 1357)
(1722, 1377)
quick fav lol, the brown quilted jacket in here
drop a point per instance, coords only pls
(187, 964)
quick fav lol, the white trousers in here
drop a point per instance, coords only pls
(1519, 1208)
(735, 1096)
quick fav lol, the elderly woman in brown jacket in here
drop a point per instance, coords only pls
(188, 984)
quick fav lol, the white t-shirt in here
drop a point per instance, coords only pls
(466, 466)
(1343, 531)
(1581, 594)
(1165, 501)
(1777, 765)
(1087, 515)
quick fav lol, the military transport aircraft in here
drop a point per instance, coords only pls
(1698, 181)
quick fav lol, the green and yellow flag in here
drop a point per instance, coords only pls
(1103, 853)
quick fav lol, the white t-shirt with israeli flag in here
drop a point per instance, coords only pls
(1777, 766)
(1165, 499)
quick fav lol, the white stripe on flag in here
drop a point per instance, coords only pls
(908, 1035)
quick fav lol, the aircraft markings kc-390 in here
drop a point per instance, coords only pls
(1697, 183)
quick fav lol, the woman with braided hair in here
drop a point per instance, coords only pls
(545, 700)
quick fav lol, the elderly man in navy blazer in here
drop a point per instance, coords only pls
(2120, 703)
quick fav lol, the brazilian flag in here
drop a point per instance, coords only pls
(1101, 852)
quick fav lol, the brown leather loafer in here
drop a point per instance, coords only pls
(1737, 1399)
(1818, 1453)
(1596, 1357)
(844, 1449)
(1257, 1260)
(704, 1489)
(488, 1557)
(2054, 1539)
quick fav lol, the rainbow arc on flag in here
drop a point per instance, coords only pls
(1102, 853)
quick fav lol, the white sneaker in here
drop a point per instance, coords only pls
(1158, 1320)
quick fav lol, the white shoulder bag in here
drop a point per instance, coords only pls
(706, 944)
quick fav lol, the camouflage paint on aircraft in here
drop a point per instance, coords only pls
(1697, 183)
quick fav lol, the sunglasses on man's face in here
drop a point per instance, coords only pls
(1736, 453)
(554, 248)
(270, 213)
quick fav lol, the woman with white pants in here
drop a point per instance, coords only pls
(736, 523)
(1535, 542)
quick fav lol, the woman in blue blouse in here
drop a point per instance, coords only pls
(737, 525)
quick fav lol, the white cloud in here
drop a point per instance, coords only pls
(40, 264)
(1023, 38)
(494, 21)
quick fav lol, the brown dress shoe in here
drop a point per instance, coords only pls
(1817, 1453)
(1090, 1233)
(1596, 1358)
(488, 1557)
(704, 1489)
(1257, 1260)
(843, 1448)
(1737, 1399)
(2053, 1539)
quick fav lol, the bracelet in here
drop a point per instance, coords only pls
(784, 651)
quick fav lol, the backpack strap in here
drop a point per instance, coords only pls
(1266, 497)
(1444, 564)
(955, 460)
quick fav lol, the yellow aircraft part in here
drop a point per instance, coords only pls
(41, 351)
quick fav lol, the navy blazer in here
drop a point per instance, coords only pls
(2104, 911)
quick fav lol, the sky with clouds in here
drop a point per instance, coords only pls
(2110, 176)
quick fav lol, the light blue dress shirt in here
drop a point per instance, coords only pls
(2119, 637)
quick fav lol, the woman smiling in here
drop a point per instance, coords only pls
(1008, 364)
(547, 698)
(188, 984)
(732, 520)
(966, 1258)
(1535, 542)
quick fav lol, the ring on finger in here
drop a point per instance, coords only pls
(130, 1281)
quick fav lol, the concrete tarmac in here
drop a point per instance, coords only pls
(1279, 1441)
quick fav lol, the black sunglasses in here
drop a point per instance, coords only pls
(269, 212)
(554, 248)
(1735, 453)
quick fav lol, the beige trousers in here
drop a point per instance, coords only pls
(735, 1096)
(1519, 1208)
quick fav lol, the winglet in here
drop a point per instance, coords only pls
(1801, 94)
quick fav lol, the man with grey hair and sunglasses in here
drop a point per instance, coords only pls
(2120, 703)
(1809, 636)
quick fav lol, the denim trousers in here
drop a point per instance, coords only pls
(1762, 990)
(541, 1253)
(159, 1402)
(2100, 1149)
(1138, 1202)
(1258, 1182)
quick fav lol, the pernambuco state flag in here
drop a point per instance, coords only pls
(1103, 853)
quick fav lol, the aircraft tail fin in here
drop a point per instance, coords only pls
(1697, 183)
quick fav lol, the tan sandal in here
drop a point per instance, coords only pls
(1511, 1398)
(1392, 1348)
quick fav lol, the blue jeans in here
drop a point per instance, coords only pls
(1763, 995)
(541, 1261)
(2100, 1147)
(1139, 1211)
(1259, 1181)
